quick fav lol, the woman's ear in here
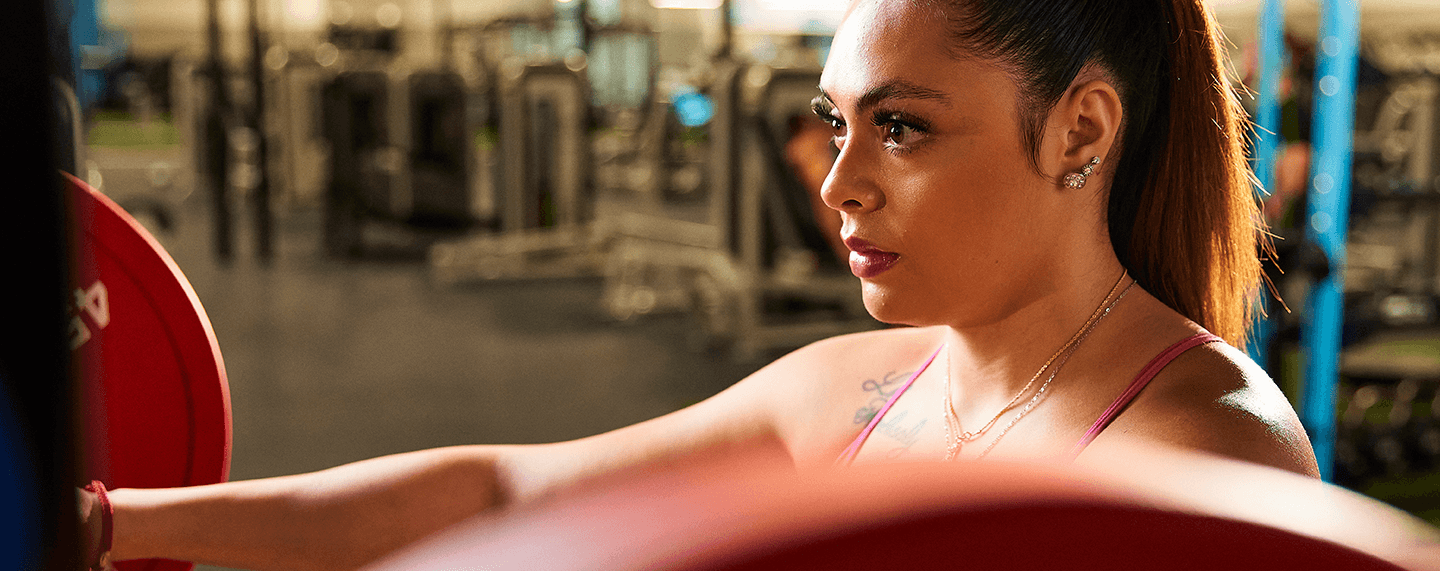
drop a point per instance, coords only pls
(1083, 125)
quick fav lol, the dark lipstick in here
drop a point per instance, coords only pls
(868, 261)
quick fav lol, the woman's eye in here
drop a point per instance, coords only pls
(899, 134)
(837, 138)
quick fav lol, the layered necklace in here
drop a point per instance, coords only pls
(956, 438)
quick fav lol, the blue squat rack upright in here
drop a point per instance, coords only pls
(1327, 219)
(1327, 216)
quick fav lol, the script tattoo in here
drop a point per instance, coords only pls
(883, 389)
(891, 427)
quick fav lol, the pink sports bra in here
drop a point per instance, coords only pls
(1146, 374)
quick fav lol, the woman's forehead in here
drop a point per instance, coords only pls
(883, 42)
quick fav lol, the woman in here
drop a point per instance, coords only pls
(1054, 193)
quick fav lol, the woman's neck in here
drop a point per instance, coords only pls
(988, 364)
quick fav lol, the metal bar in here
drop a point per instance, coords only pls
(217, 136)
(582, 22)
(38, 398)
(727, 30)
(724, 150)
(1270, 37)
(1327, 221)
(443, 17)
(260, 195)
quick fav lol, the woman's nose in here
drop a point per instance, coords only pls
(851, 187)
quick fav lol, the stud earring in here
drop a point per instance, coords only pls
(1077, 179)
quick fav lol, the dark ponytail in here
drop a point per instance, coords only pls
(1195, 230)
(1181, 211)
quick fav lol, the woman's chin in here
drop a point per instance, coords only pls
(887, 307)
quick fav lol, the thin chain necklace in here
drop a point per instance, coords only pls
(955, 438)
(953, 421)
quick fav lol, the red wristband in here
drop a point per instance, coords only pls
(107, 522)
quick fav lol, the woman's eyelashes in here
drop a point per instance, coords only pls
(826, 113)
(899, 132)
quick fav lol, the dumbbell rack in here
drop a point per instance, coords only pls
(1389, 437)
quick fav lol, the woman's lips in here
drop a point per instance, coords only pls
(867, 261)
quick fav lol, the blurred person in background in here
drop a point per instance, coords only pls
(810, 154)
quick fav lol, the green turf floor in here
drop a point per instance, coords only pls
(122, 130)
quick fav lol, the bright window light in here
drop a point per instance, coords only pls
(686, 4)
(304, 12)
(805, 5)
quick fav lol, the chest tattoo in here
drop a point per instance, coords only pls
(879, 392)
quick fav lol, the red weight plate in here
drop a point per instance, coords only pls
(1127, 507)
(156, 402)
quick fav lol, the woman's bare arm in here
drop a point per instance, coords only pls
(339, 518)
(347, 516)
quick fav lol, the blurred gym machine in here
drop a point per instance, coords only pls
(1391, 278)
(1387, 346)
(551, 114)
(671, 237)
(758, 271)
(799, 290)
(233, 149)
(1390, 427)
(399, 148)
(544, 198)
(1392, 275)
(704, 217)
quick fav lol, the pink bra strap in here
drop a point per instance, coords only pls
(1144, 378)
(853, 449)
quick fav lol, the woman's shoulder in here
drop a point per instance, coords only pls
(1213, 398)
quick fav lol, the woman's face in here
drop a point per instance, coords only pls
(947, 220)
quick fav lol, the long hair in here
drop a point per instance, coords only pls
(1181, 211)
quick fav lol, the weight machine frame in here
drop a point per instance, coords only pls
(530, 245)
(721, 264)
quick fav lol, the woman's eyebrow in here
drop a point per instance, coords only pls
(896, 89)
